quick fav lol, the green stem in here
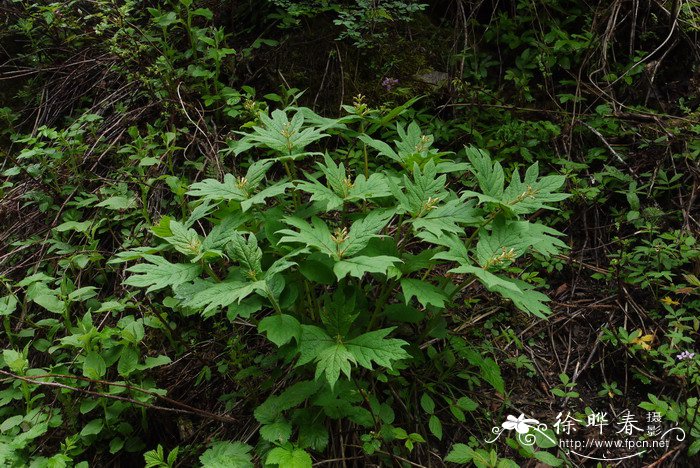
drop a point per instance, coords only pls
(8, 330)
(272, 299)
(210, 272)
(383, 297)
(486, 221)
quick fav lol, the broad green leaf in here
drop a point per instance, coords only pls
(134, 331)
(336, 177)
(118, 203)
(533, 193)
(78, 226)
(279, 133)
(413, 147)
(338, 313)
(448, 217)
(419, 196)
(221, 233)
(332, 360)
(460, 453)
(522, 196)
(363, 230)
(94, 427)
(526, 298)
(358, 266)
(427, 403)
(277, 432)
(82, 294)
(509, 240)
(262, 196)
(220, 295)
(256, 173)
(376, 186)
(283, 263)
(160, 273)
(12, 421)
(491, 373)
(467, 404)
(435, 426)
(489, 174)
(320, 193)
(426, 293)
(312, 434)
(128, 361)
(40, 277)
(548, 458)
(94, 366)
(489, 369)
(246, 252)
(270, 410)
(50, 302)
(316, 235)
(227, 455)
(150, 362)
(280, 329)
(318, 268)
(288, 457)
(341, 188)
(383, 148)
(15, 360)
(488, 279)
(375, 347)
(211, 189)
(239, 189)
(330, 355)
(184, 240)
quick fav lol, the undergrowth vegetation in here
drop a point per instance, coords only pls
(348, 233)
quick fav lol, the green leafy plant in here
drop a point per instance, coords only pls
(302, 254)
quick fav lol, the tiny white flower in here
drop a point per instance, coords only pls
(520, 424)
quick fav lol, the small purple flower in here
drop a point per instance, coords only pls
(685, 355)
(389, 83)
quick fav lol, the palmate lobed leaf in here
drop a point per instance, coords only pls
(424, 292)
(412, 148)
(227, 454)
(489, 174)
(450, 217)
(523, 295)
(320, 193)
(280, 328)
(288, 457)
(418, 195)
(363, 230)
(244, 189)
(261, 197)
(221, 234)
(279, 133)
(316, 235)
(340, 188)
(212, 189)
(334, 355)
(220, 295)
(360, 265)
(184, 240)
(270, 410)
(375, 347)
(246, 252)
(516, 237)
(522, 196)
(160, 273)
(339, 245)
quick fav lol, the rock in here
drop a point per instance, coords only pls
(432, 77)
